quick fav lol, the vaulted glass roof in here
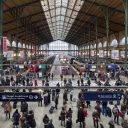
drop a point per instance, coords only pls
(60, 15)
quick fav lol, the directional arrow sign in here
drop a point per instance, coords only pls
(102, 96)
(19, 96)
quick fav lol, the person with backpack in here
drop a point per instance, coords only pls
(115, 112)
(45, 120)
(62, 116)
(69, 123)
(50, 124)
(15, 118)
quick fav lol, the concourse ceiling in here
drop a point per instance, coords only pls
(44, 21)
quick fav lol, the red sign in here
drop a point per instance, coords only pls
(4, 44)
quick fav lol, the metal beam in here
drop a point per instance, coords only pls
(22, 5)
(31, 15)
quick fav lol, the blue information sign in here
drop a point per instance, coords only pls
(19, 96)
(102, 96)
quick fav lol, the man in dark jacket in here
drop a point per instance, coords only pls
(56, 102)
(81, 117)
(69, 123)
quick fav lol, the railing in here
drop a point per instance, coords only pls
(62, 87)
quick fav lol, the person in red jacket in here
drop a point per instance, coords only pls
(35, 83)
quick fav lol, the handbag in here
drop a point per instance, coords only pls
(77, 120)
(59, 117)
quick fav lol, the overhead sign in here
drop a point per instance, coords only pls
(102, 96)
(42, 66)
(19, 96)
(4, 44)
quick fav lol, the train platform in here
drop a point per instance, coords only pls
(39, 112)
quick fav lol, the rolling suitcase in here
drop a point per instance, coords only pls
(51, 109)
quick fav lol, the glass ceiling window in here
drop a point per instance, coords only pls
(60, 15)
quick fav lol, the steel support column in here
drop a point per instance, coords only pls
(126, 28)
(1, 32)
(108, 12)
(89, 43)
(16, 12)
(96, 40)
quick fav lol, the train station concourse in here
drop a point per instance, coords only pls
(63, 63)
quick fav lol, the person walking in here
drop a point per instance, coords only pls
(16, 117)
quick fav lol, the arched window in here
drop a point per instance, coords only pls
(23, 45)
(91, 47)
(100, 45)
(29, 46)
(114, 43)
(122, 42)
(19, 45)
(105, 44)
(94, 45)
(14, 44)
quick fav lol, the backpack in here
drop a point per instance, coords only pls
(85, 113)
(33, 123)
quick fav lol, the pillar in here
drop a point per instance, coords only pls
(108, 12)
(96, 40)
(126, 27)
(1, 32)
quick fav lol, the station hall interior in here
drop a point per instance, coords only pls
(63, 63)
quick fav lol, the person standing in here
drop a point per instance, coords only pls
(115, 111)
(72, 76)
(52, 76)
(89, 82)
(56, 101)
(111, 124)
(69, 123)
(95, 116)
(78, 83)
(81, 117)
(62, 116)
(50, 124)
(45, 120)
(7, 110)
